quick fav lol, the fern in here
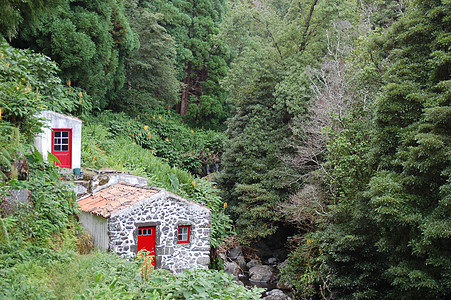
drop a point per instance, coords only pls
(4, 236)
(10, 144)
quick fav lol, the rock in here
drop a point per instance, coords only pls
(284, 285)
(19, 169)
(232, 268)
(283, 264)
(253, 263)
(241, 262)
(272, 261)
(81, 188)
(276, 295)
(262, 273)
(17, 199)
(234, 253)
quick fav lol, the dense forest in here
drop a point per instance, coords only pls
(317, 128)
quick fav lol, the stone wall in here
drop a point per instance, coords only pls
(166, 211)
(92, 182)
(15, 200)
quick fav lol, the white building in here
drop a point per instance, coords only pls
(61, 136)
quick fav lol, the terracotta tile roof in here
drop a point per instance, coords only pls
(114, 198)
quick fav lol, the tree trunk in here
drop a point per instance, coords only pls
(185, 91)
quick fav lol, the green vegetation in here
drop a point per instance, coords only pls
(89, 40)
(166, 136)
(337, 135)
(106, 276)
(101, 149)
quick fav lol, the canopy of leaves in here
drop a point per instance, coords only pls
(89, 40)
(151, 80)
(201, 58)
(398, 230)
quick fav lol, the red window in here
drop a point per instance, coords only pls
(183, 233)
(62, 146)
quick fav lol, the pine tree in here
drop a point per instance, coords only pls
(406, 226)
(151, 80)
(89, 40)
(201, 58)
(16, 14)
(257, 132)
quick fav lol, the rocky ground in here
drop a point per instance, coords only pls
(255, 272)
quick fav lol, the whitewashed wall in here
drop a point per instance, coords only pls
(97, 228)
(43, 141)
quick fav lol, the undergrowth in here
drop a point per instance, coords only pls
(100, 275)
(102, 149)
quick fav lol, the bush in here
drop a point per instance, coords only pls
(107, 276)
(101, 149)
(166, 136)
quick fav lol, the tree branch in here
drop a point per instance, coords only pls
(271, 35)
(307, 32)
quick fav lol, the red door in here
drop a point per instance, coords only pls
(146, 241)
(62, 146)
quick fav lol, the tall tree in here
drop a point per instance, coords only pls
(201, 57)
(410, 193)
(90, 41)
(14, 14)
(399, 229)
(151, 80)
(272, 42)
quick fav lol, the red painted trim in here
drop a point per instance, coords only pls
(188, 235)
(69, 152)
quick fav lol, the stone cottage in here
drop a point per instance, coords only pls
(125, 219)
(61, 136)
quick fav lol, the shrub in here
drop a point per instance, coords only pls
(101, 149)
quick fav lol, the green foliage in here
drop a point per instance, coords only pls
(9, 146)
(107, 276)
(53, 202)
(89, 40)
(13, 14)
(100, 148)
(201, 58)
(272, 42)
(256, 134)
(209, 284)
(303, 268)
(4, 235)
(205, 192)
(165, 135)
(29, 84)
(397, 231)
(150, 71)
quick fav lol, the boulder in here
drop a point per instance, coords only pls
(272, 261)
(241, 262)
(276, 295)
(284, 285)
(14, 200)
(232, 268)
(253, 263)
(262, 273)
(234, 253)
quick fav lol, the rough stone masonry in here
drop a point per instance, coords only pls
(166, 211)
